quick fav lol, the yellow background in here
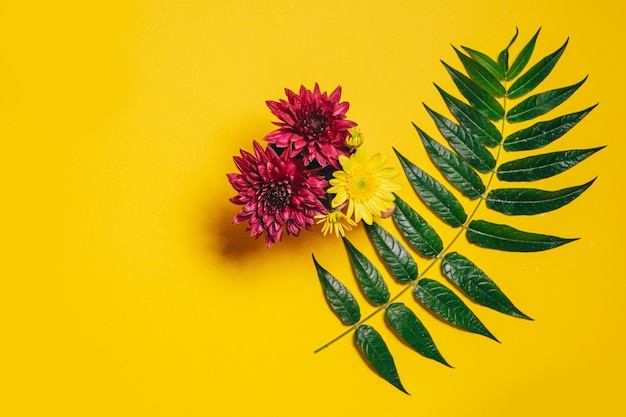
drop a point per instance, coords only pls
(125, 290)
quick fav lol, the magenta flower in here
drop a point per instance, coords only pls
(277, 193)
(312, 125)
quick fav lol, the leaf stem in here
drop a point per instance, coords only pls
(445, 250)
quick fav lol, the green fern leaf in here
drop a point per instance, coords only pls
(482, 76)
(480, 99)
(416, 230)
(437, 197)
(447, 305)
(369, 278)
(455, 169)
(535, 75)
(542, 166)
(529, 201)
(339, 298)
(472, 120)
(522, 59)
(395, 256)
(477, 285)
(541, 103)
(469, 148)
(486, 62)
(506, 238)
(376, 353)
(503, 56)
(543, 133)
(412, 331)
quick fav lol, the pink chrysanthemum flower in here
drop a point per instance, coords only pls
(277, 193)
(312, 125)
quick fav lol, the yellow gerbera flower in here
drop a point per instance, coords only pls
(335, 222)
(365, 184)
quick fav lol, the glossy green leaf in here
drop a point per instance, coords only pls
(541, 103)
(453, 167)
(506, 238)
(395, 256)
(369, 278)
(503, 56)
(530, 201)
(416, 230)
(480, 99)
(437, 197)
(542, 166)
(472, 120)
(377, 354)
(482, 76)
(477, 285)
(412, 331)
(339, 298)
(470, 149)
(444, 303)
(543, 133)
(536, 74)
(486, 62)
(522, 59)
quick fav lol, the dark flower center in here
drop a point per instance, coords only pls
(315, 122)
(275, 196)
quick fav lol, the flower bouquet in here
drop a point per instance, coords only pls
(314, 170)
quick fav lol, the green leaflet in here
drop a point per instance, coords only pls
(470, 148)
(453, 167)
(536, 74)
(503, 57)
(416, 230)
(542, 166)
(529, 201)
(369, 278)
(480, 99)
(522, 59)
(482, 76)
(446, 304)
(433, 194)
(506, 238)
(477, 285)
(541, 103)
(411, 330)
(543, 133)
(376, 353)
(395, 256)
(339, 298)
(486, 62)
(472, 120)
